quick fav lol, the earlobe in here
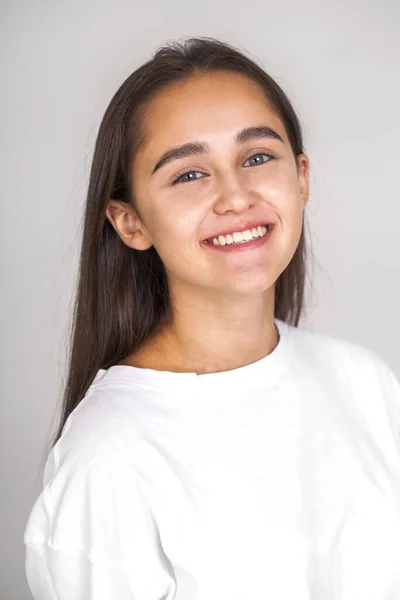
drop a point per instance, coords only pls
(127, 224)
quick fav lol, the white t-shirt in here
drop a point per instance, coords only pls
(277, 480)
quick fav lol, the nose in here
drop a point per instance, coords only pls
(233, 194)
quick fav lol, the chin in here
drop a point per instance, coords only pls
(252, 288)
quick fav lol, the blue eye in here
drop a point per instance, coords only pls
(181, 179)
(257, 156)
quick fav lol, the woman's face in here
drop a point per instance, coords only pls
(192, 197)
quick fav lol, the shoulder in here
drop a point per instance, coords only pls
(103, 432)
(351, 374)
(340, 356)
(92, 468)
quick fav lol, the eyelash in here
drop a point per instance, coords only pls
(179, 180)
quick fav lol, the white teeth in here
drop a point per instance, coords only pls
(240, 237)
(221, 240)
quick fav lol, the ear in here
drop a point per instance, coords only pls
(303, 174)
(127, 224)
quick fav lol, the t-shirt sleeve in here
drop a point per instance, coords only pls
(91, 536)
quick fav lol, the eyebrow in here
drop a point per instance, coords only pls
(192, 148)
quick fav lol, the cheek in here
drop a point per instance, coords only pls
(278, 183)
(283, 196)
(173, 236)
(177, 226)
(282, 193)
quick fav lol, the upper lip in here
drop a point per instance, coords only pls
(239, 227)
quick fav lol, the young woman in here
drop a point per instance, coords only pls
(209, 449)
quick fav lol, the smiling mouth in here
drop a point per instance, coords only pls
(240, 237)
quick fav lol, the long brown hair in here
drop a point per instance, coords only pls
(121, 293)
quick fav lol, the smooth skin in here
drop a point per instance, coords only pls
(222, 302)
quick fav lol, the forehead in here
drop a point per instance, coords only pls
(206, 107)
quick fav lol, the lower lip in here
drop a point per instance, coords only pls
(241, 247)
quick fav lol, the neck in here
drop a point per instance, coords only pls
(209, 337)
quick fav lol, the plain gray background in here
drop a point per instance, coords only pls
(61, 63)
